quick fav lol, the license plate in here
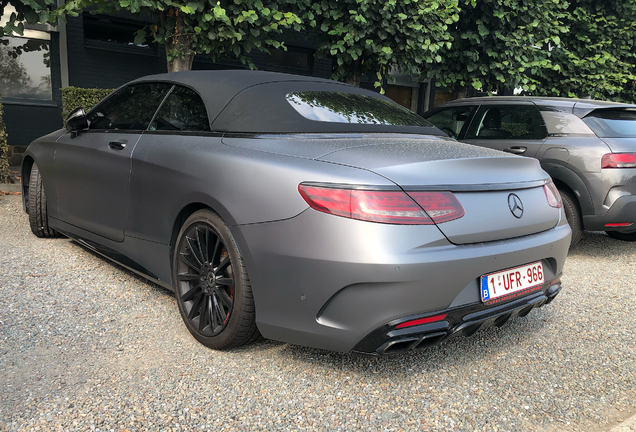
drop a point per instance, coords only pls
(507, 284)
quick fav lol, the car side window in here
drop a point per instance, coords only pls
(507, 122)
(131, 108)
(183, 110)
(451, 120)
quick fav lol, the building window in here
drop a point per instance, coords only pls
(25, 71)
(116, 34)
(294, 59)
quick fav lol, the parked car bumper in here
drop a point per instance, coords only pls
(622, 211)
(359, 276)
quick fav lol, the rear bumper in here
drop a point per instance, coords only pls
(622, 211)
(464, 321)
(328, 282)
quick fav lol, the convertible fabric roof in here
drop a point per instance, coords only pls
(245, 101)
(217, 88)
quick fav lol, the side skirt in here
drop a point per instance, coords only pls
(121, 255)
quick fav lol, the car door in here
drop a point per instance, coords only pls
(164, 164)
(453, 120)
(514, 128)
(93, 167)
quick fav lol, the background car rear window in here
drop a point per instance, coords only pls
(451, 120)
(183, 110)
(338, 107)
(131, 108)
(612, 123)
(508, 122)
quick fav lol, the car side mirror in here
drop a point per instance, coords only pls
(76, 120)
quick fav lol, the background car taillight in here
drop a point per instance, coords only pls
(552, 195)
(391, 207)
(619, 160)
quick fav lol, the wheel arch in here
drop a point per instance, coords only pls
(182, 216)
(567, 179)
(189, 209)
(27, 166)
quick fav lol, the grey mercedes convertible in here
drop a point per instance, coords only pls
(300, 209)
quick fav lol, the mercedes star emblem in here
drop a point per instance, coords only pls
(516, 206)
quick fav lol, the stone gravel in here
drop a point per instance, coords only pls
(87, 345)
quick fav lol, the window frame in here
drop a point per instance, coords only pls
(40, 35)
(462, 132)
(481, 113)
(172, 89)
(117, 92)
(152, 50)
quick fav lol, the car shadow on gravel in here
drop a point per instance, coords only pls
(155, 287)
(454, 352)
(599, 244)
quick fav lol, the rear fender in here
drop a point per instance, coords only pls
(573, 181)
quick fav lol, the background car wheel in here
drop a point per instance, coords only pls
(38, 217)
(573, 215)
(212, 287)
(630, 236)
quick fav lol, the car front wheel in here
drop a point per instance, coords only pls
(36, 206)
(212, 287)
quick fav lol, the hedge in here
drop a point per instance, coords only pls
(4, 151)
(74, 97)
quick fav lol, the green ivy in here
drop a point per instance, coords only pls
(74, 97)
(371, 38)
(597, 56)
(4, 151)
(500, 44)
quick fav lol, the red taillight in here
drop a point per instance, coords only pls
(619, 160)
(552, 195)
(391, 207)
(615, 225)
(440, 206)
(421, 321)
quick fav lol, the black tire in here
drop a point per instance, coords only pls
(573, 215)
(630, 236)
(212, 287)
(36, 206)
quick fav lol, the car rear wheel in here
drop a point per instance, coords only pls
(36, 206)
(573, 215)
(629, 236)
(212, 287)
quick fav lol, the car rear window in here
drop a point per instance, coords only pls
(612, 123)
(352, 108)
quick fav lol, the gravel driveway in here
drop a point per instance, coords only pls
(85, 344)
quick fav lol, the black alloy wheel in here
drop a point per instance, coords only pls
(211, 285)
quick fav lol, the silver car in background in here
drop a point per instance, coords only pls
(588, 147)
(300, 209)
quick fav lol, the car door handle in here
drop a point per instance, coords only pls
(516, 150)
(117, 145)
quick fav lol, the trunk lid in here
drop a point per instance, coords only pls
(483, 181)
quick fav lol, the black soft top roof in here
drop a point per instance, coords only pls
(254, 102)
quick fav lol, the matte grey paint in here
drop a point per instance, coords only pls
(318, 280)
(353, 264)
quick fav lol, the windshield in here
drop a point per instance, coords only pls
(612, 123)
(338, 107)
